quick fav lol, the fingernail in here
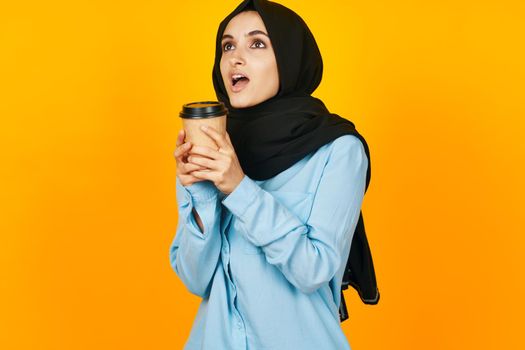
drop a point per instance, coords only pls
(204, 127)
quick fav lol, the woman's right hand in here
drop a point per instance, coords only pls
(184, 168)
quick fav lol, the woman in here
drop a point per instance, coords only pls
(266, 223)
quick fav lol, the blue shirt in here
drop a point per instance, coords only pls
(270, 262)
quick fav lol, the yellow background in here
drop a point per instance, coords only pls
(89, 98)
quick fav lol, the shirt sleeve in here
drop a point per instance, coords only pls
(193, 254)
(309, 253)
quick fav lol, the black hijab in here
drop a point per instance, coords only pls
(275, 134)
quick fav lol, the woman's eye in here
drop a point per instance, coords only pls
(259, 42)
(225, 47)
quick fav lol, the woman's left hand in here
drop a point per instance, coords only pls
(224, 169)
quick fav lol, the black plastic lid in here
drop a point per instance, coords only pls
(204, 109)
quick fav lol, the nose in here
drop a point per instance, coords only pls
(237, 58)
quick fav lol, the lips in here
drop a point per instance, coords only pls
(238, 81)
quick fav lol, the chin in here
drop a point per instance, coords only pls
(241, 103)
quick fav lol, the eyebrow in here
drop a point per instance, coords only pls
(252, 33)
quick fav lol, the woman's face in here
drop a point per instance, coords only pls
(247, 51)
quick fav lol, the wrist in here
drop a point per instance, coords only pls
(236, 184)
(202, 190)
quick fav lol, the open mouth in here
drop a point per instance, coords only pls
(239, 81)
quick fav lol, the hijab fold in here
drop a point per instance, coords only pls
(275, 134)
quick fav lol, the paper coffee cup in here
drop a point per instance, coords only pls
(209, 113)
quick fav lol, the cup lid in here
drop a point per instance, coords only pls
(203, 109)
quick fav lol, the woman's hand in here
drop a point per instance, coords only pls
(184, 168)
(223, 167)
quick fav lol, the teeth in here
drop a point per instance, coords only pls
(238, 76)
